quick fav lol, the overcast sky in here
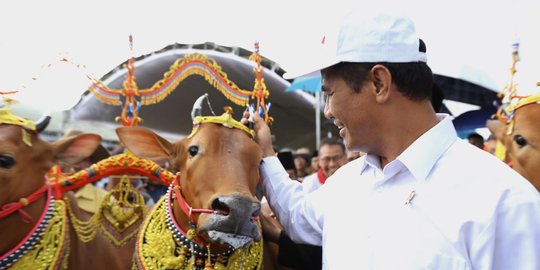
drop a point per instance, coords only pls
(465, 39)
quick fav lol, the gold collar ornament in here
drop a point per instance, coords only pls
(51, 250)
(118, 211)
(157, 248)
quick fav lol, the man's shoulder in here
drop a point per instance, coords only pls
(480, 172)
(310, 178)
(354, 166)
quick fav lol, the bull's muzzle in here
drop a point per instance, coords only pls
(234, 221)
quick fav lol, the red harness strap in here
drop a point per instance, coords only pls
(186, 208)
(8, 208)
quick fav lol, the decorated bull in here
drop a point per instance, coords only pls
(209, 216)
(34, 225)
(519, 132)
(517, 128)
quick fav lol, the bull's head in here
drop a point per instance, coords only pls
(219, 171)
(24, 161)
(25, 158)
(521, 138)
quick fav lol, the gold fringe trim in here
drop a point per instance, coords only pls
(116, 211)
(157, 249)
(53, 249)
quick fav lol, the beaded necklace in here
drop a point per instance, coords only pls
(163, 245)
(46, 246)
(181, 237)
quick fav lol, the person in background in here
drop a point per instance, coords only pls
(476, 140)
(490, 145)
(88, 197)
(154, 189)
(314, 163)
(412, 201)
(301, 163)
(331, 157)
(287, 160)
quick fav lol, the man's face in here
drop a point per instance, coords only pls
(315, 163)
(331, 157)
(355, 114)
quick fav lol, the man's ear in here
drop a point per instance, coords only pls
(382, 82)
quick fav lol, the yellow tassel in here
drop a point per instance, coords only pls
(208, 265)
(500, 150)
(191, 234)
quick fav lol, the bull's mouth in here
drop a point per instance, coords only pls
(225, 229)
(234, 240)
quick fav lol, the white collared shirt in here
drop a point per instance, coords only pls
(470, 210)
(311, 182)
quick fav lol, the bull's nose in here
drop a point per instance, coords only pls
(236, 206)
(236, 214)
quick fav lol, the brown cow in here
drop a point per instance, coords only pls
(210, 210)
(34, 227)
(520, 134)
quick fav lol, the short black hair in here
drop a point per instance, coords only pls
(413, 80)
(333, 141)
(437, 98)
(475, 135)
(286, 159)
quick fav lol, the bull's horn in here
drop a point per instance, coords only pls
(197, 106)
(43, 122)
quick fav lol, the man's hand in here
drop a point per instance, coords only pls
(271, 228)
(262, 133)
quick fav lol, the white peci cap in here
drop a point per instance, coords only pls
(362, 38)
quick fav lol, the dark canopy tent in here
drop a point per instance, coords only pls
(293, 112)
(470, 93)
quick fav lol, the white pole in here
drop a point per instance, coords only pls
(317, 119)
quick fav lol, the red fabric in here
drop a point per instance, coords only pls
(321, 176)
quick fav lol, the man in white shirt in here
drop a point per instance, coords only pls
(331, 156)
(421, 198)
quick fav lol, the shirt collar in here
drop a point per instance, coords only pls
(421, 155)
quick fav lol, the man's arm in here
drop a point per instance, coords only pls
(512, 239)
(298, 215)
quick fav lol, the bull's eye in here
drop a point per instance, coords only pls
(520, 141)
(193, 150)
(6, 162)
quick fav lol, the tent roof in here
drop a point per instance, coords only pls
(294, 114)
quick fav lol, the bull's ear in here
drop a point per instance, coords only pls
(145, 143)
(73, 149)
